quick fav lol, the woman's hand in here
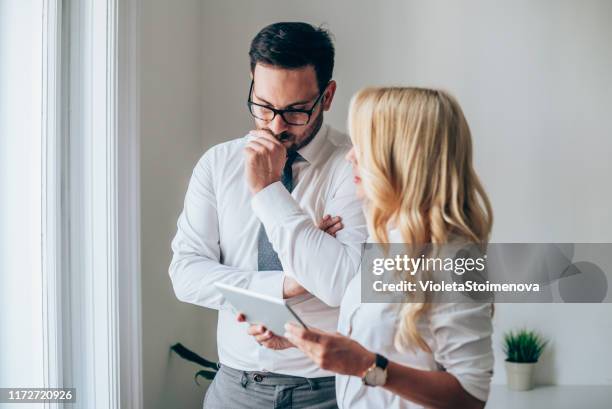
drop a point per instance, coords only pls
(332, 352)
(264, 336)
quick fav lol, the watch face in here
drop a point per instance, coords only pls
(376, 377)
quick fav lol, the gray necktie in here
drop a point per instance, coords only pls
(267, 259)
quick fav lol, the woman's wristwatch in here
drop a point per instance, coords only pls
(376, 375)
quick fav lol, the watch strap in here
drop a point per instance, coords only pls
(381, 361)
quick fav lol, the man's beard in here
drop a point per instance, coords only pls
(284, 136)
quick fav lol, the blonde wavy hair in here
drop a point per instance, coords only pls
(414, 150)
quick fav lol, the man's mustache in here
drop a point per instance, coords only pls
(283, 136)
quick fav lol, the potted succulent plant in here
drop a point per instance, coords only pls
(522, 349)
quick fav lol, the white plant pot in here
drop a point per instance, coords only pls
(520, 375)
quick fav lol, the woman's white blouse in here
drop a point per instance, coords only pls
(459, 335)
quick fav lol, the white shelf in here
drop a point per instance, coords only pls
(557, 397)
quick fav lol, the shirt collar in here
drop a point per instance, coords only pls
(313, 150)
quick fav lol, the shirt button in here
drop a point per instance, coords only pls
(258, 378)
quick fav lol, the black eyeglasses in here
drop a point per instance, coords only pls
(291, 116)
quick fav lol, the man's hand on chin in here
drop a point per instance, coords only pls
(265, 158)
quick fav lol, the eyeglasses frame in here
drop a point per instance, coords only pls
(281, 112)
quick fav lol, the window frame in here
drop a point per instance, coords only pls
(91, 201)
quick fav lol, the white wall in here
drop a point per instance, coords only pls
(535, 81)
(21, 351)
(171, 103)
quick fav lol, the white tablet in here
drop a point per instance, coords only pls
(272, 312)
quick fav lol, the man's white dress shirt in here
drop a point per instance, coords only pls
(458, 334)
(217, 236)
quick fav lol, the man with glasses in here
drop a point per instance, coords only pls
(250, 220)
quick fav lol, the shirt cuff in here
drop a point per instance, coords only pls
(273, 203)
(268, 283)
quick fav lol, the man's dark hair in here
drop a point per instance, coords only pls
(294, 45)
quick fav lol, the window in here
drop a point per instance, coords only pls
(21, 327)
(70, 269)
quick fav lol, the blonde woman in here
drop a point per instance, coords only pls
(412, 163)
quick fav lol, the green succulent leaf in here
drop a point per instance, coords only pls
(523, 346)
